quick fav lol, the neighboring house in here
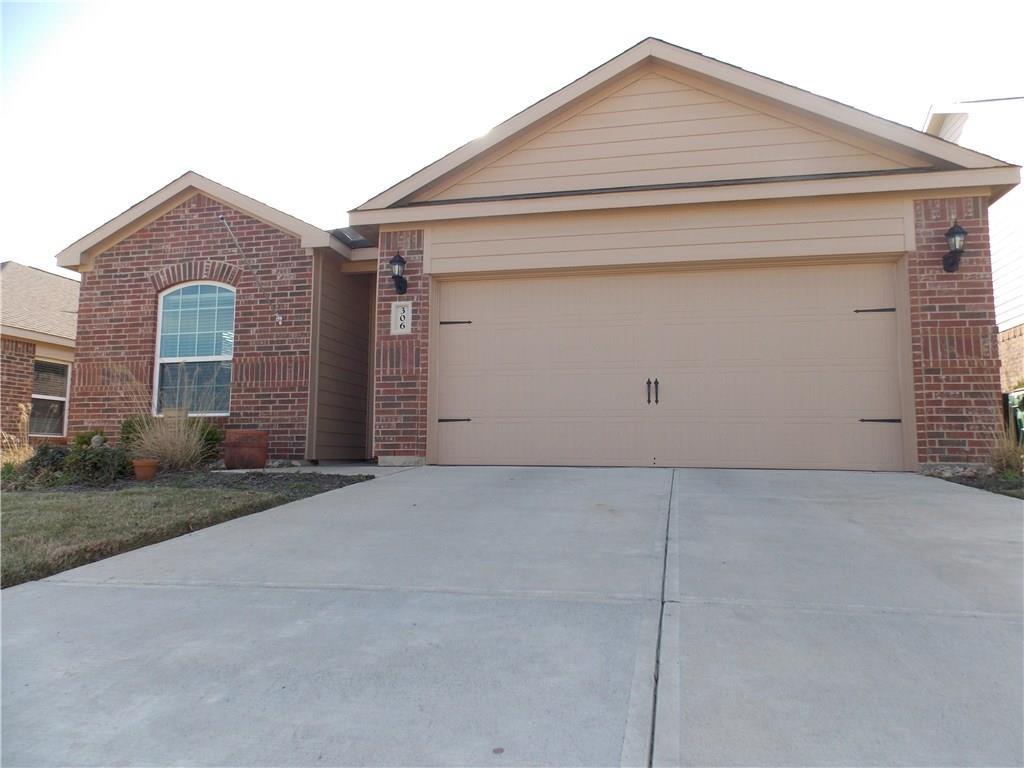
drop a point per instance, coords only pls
(671, 261)
(997, 126)
(38, 315)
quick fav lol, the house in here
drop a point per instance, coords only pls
(38, 316)
(670, 261)
(996, 124)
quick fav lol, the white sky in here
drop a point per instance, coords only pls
(315, 107)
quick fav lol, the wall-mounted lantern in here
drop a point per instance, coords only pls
(397, 264)
(955, 237)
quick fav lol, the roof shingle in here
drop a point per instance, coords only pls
(34, 300)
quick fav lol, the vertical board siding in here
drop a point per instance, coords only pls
(343, 360)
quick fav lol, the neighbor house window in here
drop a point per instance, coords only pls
(195, 340)
(49, 398)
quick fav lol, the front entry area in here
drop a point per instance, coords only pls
(768, 367)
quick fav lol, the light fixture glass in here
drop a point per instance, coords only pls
(397, 265)
(955, 237)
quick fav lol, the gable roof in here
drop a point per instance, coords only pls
(76, 255)
(938, 155)
(38, 302)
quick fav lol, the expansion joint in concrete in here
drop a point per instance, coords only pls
(661, 621)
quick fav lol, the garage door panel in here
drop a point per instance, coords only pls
(787, 391)
(577, 394)
(742, 443)
(828, 392)
(553, 442)
(767, 367)
(527, 346)
(813, 339)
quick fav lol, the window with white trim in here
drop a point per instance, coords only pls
(195, 342)
(50, 382)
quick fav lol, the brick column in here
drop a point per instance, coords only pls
(16, 386)
(400, 378)
(953, 336)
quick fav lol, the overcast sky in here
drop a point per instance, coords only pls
(315, 107)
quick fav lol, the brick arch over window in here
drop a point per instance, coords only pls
(199, 269)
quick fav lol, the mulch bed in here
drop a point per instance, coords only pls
(1007, 485)
(292, 484)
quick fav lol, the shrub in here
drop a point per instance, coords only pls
(45, 467)
(130, 429)
(84, 439)
(9, 476)
(1008, 454)
(99, 465)
(47, 458)
(1011, 477)
(213, 436)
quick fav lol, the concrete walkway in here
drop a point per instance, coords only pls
(513, 616)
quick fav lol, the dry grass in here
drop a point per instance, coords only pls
(173, 439)
(48, 532)
(14, 447)
(1007, 454)
(45, 532)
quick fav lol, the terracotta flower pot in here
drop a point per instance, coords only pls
(145, 469)
(245, 448)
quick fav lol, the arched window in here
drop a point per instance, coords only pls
(195, 341)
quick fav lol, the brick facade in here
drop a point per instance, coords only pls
(117, 320)
(1011, 353)
(16, 384)
(400, 378)
(953, 336)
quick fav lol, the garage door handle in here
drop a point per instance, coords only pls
(648, 391)
(655, 391)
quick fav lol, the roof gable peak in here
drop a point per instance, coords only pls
(901, 140)
(78, 254)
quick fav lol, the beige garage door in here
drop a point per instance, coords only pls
(767, 367)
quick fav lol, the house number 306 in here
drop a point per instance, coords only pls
(401, 317)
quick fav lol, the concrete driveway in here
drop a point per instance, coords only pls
(511, 616)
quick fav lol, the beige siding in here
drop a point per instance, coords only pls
(767, 229)
(343, 359)
(764, 367)
(54, 351)
(655, 129)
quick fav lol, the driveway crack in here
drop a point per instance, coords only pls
(661, 623)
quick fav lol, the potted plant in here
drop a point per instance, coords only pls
(245, 448)
(145, 468)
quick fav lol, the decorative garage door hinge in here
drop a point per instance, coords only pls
(883, 421)
(455, 322)
(444, 421)
(880, 309)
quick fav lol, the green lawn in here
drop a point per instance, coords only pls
(45, 532)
